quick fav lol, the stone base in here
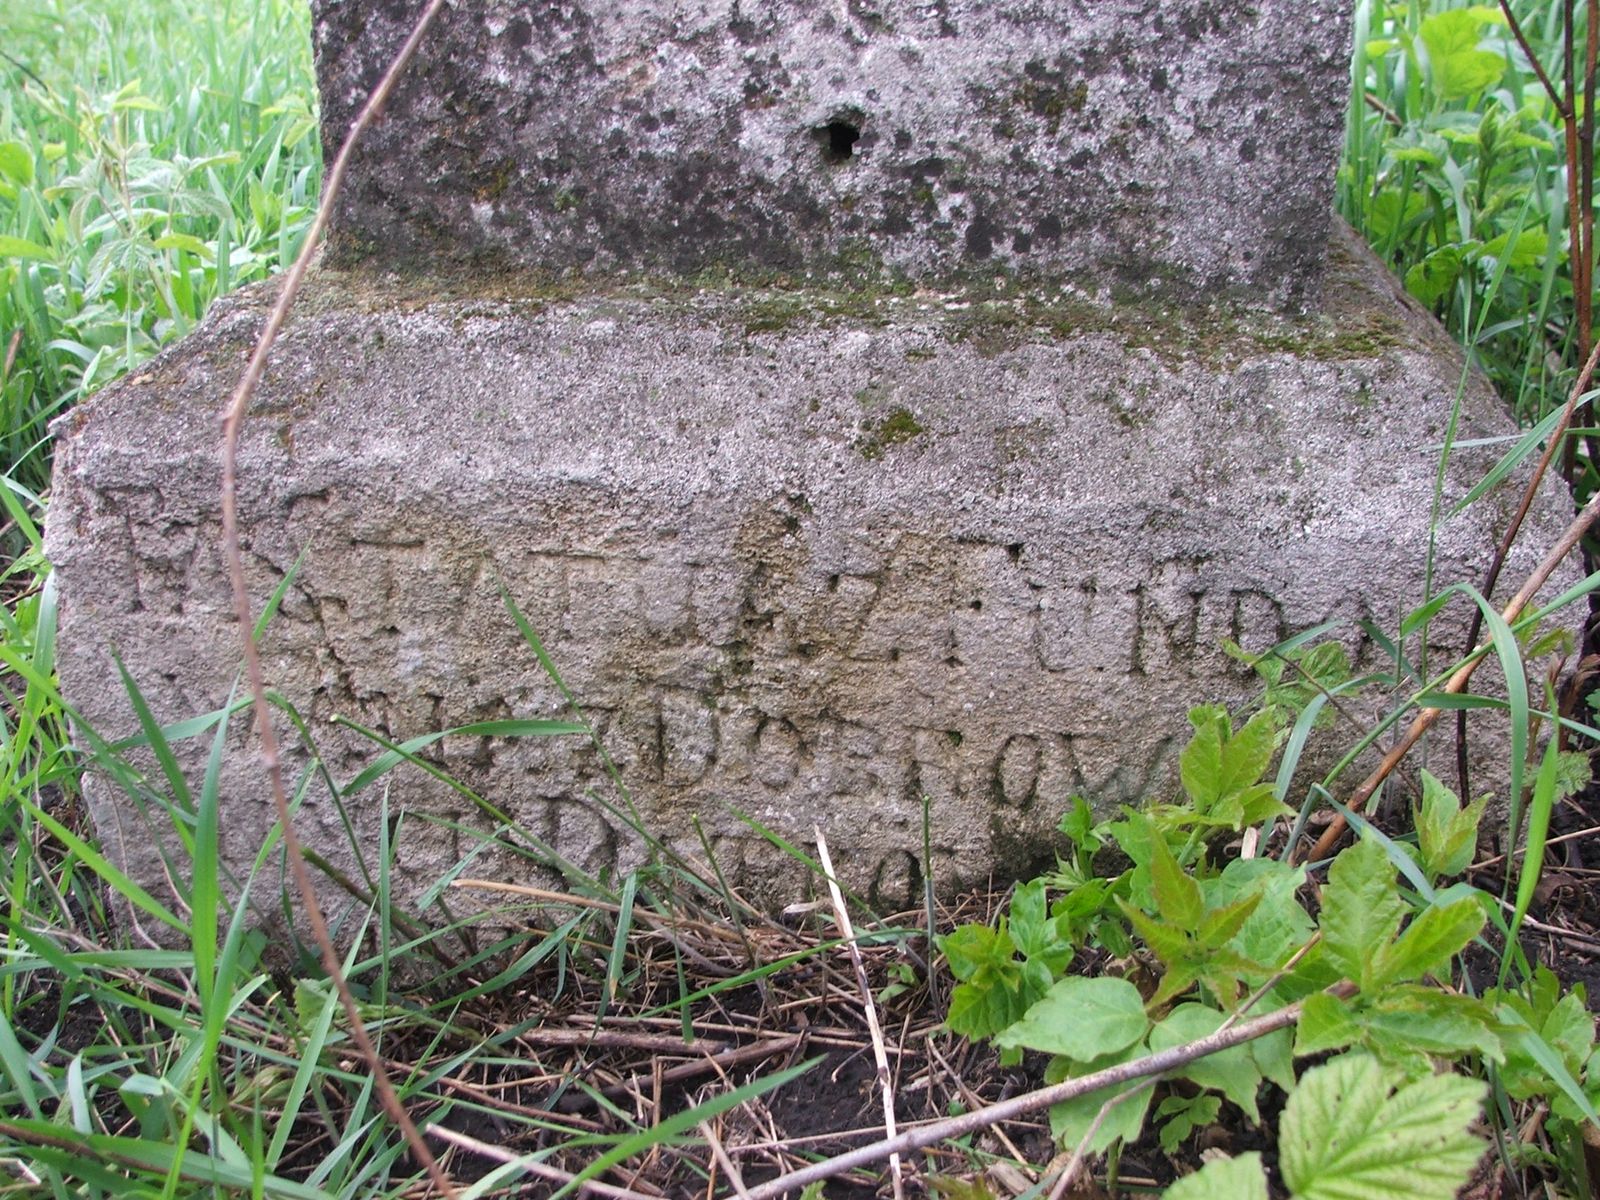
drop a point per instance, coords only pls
(809, 557)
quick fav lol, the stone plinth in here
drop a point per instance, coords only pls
(1183, 149)
(806, 556)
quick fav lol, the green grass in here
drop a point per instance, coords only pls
(155, 155)
(1455, 170)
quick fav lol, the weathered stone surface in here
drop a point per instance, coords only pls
(1178, 148)
(808, 556)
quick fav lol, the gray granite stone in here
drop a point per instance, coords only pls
(1184, 148)
(801, 555)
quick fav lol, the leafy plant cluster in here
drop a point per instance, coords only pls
(1149, 936)
(1466, 175)
(152, 158)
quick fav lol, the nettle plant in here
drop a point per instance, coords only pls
(1186, 944)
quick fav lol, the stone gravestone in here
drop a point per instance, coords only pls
(866, 403)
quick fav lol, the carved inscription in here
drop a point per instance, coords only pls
(869, 687)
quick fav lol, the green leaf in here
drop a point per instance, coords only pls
(1223, 1179)
(1392, 213)
(1233, 1072)
(1431, 279)
(1274, 1055)
(1221, 770)
(16, 162)
(1071, 1120)
(1325, 1024)
(1425, 1020)
(1356, 1130)
(1279, 925)
(1539, 808)
(1447, 835)
(1527, 251)
(1078, 824)
(1177, 895)
(971, 948)
(1361, 910)
(15, 247)
(1222, 925)
(1036, 935)
(1562, 1022)
(980, 1010)
(188, 242)
(1569, 1029)
(1574, 772)
(1081, 1019)
(1467, 73)
(1429, 942)
(1184, 1115)
(1457, 67)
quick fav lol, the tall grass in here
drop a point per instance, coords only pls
(153, 156)
(1455, 170)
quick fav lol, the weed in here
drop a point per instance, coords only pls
(1462, 171)
(1198, 942)
(152, 158)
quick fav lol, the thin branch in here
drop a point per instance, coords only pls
(721, 1155)
(26, 70)
(1497, 564)
(1458, 682)
(1140, 1068)
(842, 915)
(232, 424)
(1533, 60)
(526, 1163)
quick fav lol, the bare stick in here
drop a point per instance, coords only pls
(1070, 1089)
(1497, 564)
(233, 421)
(842, 915)
(1424, 720)
(721, 1155)
(526, 1163)
(1533, 59)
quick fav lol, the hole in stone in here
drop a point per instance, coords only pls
(976, 606)
(833, 583)
(894, 654)
(838, 138)
(1015, 551)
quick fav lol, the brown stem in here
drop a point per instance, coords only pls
(1458, 682)
(1583, 282)
(1533, 59)
(1008, 1110)
(232, 424)
(1557, 437)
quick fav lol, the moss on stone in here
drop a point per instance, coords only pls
(994, 315)
(901, 425)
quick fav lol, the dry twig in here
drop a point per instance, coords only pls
(842, 915)
(1425, 719)
(1070, 1089)
(233, 422)
(1497, 564)
(532, 1166)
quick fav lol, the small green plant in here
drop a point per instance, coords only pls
(1196, 943)
(152, 158)
(1468, 165)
